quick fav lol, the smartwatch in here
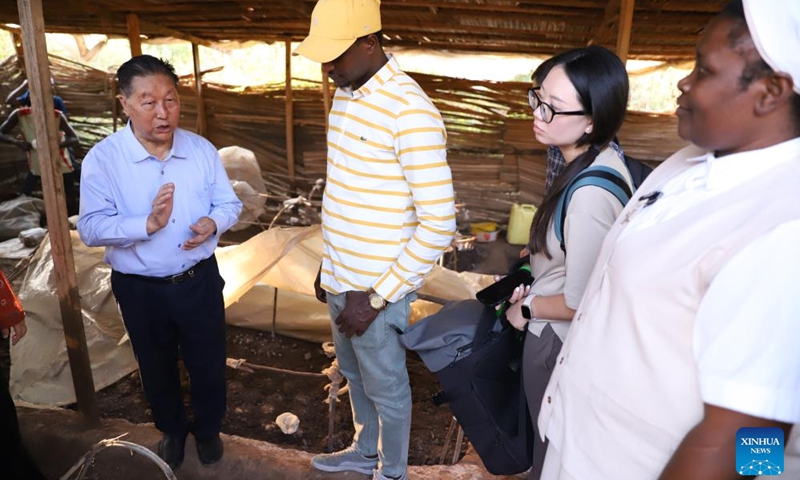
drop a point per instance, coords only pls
(527, 309)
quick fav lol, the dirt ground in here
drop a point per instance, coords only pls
(256, 399)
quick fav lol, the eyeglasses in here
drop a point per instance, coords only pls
(547, 112)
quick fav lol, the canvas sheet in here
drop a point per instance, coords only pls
(282, 258)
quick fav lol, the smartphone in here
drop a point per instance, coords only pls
(502, 290)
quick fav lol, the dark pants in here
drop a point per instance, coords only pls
(15, 463)
(70, 190)
(538, 361)
(167, 321)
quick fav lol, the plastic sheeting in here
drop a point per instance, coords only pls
(245, 176)
(40, 371)
(286, 258)
(14, 249)
(19, 214)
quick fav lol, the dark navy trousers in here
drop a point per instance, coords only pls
(168, 321)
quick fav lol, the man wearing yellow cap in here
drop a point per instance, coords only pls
(387, 215)
(685, 345)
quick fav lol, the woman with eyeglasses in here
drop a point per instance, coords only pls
(578, 108)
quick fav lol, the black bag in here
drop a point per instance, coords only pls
(482, 383)
(638, 170)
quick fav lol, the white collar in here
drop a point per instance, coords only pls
(736, 168)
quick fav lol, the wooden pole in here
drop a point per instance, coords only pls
(133, 34)
(625, 25)
(289, 113)
(202, 125)
(38, 71)
(114, 102)
(326, 98)
(17, 40)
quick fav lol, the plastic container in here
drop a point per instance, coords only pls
(519, 223)
(486, 237)
(484, 231)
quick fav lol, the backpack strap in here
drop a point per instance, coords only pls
(604, 177)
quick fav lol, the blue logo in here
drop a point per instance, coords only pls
(759, 451)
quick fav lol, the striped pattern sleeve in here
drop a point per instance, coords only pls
(420, 146)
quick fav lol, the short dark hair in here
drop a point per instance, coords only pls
(143, 66)
(755, 67)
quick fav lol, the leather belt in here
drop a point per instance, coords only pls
(172, 279)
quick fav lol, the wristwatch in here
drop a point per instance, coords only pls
(376, 301)
(526, 308)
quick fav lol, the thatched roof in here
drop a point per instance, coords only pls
(662, 29)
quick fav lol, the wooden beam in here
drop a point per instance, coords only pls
(11, 29)
(604, 31)
(38, 72)
(202, 129)
(624, 32)
(326, 98)
(289, 113)
(171, 32)
(133, 34)
(17, 40)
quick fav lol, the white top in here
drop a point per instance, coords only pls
(710, 176)
(683, 309)
(764, 367)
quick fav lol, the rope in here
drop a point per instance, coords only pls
(242, 364)
(83, 464)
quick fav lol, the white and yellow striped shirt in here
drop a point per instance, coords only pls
(388, 211)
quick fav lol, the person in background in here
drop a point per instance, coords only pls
(23, 118)
(157, 197)
(578, 108)
(689, 325)
(24, 100)
(388, 213)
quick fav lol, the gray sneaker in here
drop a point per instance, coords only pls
(377, 475)
(346, 460)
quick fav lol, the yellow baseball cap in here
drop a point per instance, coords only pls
(335, 26)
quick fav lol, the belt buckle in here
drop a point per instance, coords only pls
(181, 277)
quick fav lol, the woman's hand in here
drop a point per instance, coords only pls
(515, 318)
(519, 293)
(514, 311)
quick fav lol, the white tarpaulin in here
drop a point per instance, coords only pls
(286, 258)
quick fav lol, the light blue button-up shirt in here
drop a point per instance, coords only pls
(120, 179)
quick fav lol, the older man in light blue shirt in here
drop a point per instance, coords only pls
(157, 197)
(119, 181)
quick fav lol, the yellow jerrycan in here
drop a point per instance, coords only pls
(519, 223)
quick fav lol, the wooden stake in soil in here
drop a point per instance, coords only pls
(38, 72)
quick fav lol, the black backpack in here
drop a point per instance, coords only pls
(638, 170)
(482, 383)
